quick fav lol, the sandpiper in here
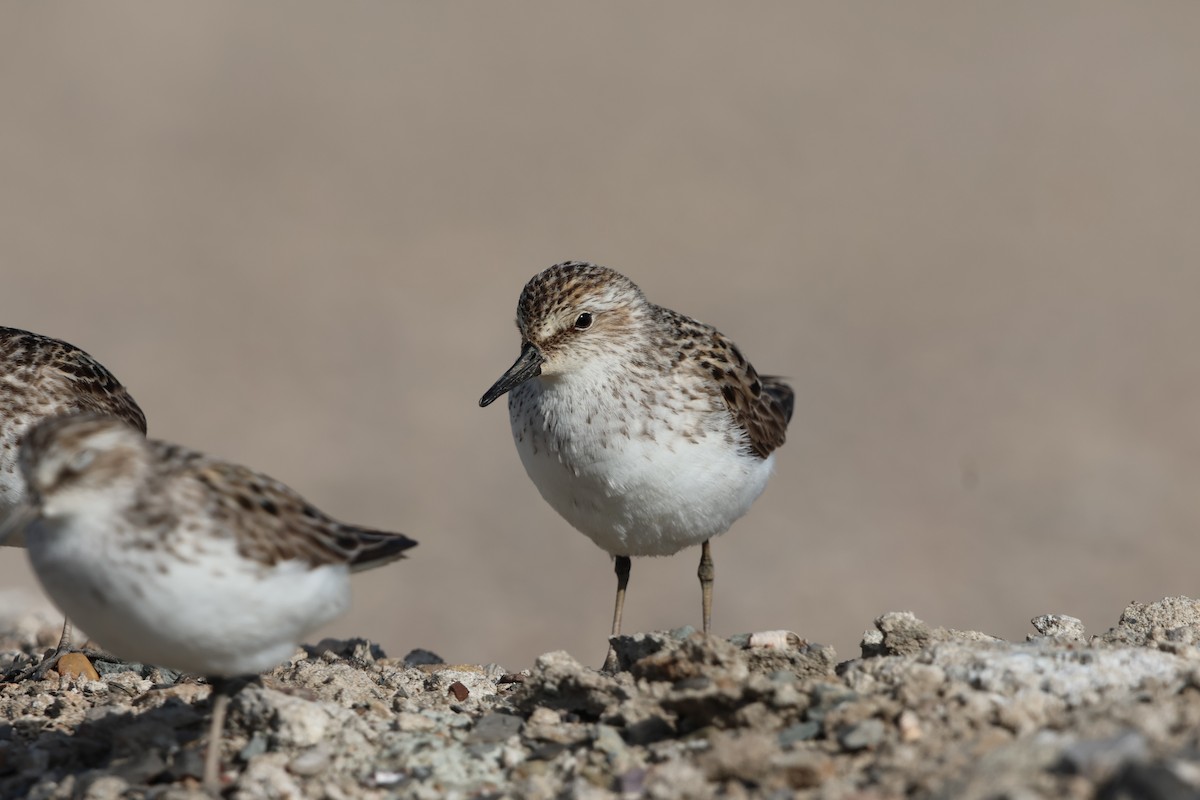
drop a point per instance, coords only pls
(646, 430)
(170, 557)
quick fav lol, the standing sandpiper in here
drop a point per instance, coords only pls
(173, 558)
(646, 430)
(40, 378)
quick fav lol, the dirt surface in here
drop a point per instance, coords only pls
(925, 712)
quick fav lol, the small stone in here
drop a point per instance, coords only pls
(544, 716)
(442, 679)
(800, 732)
(116, 667)
(547, 751)
(1059, 626)
(358, 649)
(460, 691)
(803, 769)
(862, 735)
(909, 726)
(386, 778)
(164, 676)
(410, 722)
(311, 761)
(496, 728)
(744, 756)
(417, 657)
(255, 747)
(74, 665)
(775, 640)
(609, 741)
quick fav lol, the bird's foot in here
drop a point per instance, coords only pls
(612, 664)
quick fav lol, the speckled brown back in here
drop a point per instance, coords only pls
(271, 522)
(38, 369)
(761, 405)
(41, 377)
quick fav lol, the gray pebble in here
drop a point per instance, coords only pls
(496, 728)
(862, 735)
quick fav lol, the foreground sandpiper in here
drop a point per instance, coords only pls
(169, 557)
(646, 430)
(41, 378)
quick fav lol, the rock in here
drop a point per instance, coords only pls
(909, 726)
(804, 661)
(361, 651)
(560, 682)
(900, 633)
(419, 657)
(633, 648)
(292, 721)
(475, 680)
(800, 732)
(1059, 626)
(694, 657)
(311, 762)
(76, 665)
(409, 722)
(496, 728)
(861, 735)
(744, 756)
(803, 769)
(1141, 624)
(775, 640)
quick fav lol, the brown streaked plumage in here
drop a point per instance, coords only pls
(272, 523)
(761, 405)
(39, 373)
(268, 521)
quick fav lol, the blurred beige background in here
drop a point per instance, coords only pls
(968, 232)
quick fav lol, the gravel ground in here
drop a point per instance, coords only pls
(924, 712)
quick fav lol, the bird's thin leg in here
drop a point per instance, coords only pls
(706, 573)
(622, 569)
(64, 641)
(222, 690)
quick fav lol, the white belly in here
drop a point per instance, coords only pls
(208, 613)
(634, 496)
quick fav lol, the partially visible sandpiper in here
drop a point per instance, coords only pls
(646, 430)
(169, 557)
(41, 378)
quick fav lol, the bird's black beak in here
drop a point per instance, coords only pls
(528, 365)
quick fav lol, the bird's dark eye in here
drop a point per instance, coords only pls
(583, 321)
